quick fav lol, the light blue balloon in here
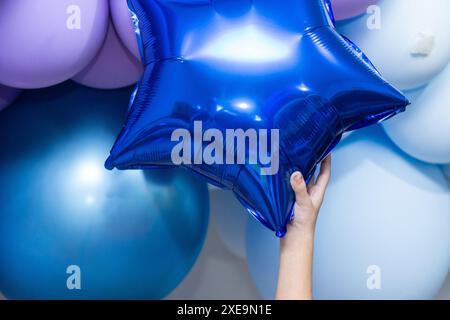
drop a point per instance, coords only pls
(383, 232)
(424, 130)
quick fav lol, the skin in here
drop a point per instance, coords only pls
(296, 248)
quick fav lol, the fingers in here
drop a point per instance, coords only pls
(314, 192)
(318, 191)
(299, 186)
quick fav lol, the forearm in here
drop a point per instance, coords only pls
(295, 273)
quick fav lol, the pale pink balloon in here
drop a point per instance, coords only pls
(345, 9)
(114, 67)
(123, 24)
(7, 96)
(45, 42)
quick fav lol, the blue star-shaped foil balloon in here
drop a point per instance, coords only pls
(245, 92)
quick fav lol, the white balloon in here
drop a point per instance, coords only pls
(423, 131)
(230, 218)
(383, 231)
(407, 40)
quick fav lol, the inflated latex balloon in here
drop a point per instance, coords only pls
(430, 116)
(382, 233)
(345, 9)
(67, 223)
(124, 25)
(246, 92)
(7, 96)
(406, 39)
(114, 67)
(46, 42)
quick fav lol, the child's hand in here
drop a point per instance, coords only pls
(308, 199)
(295, 274)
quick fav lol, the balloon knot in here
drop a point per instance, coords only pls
(281, 233)
(424, 45)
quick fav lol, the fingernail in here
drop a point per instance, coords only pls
(298, 177)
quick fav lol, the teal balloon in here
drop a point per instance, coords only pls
(382, 233)
(70, 229)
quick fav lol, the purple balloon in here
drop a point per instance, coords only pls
(7, 96)
(345, 9)
(124, 26)
(46, 42)
(114, 67)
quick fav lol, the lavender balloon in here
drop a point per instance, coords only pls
(7, 96)
(114, 67)
(122, 22)
(345, 9)
(46, 42)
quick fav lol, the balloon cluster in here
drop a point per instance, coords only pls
(46, 42)
(417, 61)
(69, 229)
(386, 215)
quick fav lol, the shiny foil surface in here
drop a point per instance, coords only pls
(248, 64)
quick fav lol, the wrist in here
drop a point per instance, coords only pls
(298, 238)
(303, 227)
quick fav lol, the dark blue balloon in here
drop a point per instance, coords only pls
(134, 235)
(275, 68)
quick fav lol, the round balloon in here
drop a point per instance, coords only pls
(383, 232)
(69, 229)
(424, 131)
(408, 54)
(123, 23)
(230, 219)
(113, 68)
(7, 96)
(345, 9)
(47, 42)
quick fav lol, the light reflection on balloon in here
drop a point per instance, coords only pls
(250, 44)
(88, 173)
(243, 104)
